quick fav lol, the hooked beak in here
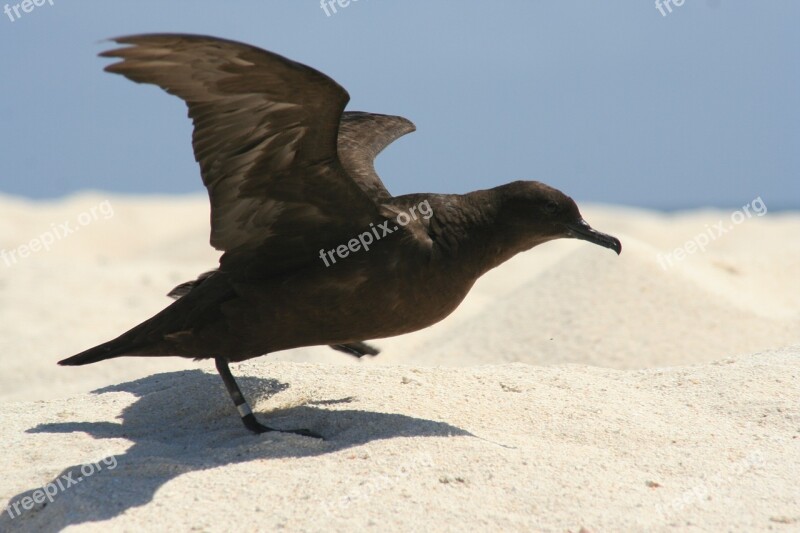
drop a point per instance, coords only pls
(582, 230)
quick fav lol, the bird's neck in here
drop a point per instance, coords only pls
(470, 232)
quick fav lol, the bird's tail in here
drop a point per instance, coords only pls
(108, 350)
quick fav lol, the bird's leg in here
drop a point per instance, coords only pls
(356, 349)
(243, 407)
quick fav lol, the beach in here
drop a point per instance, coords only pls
(573, 390)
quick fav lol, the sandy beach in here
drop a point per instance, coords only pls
(572, 390)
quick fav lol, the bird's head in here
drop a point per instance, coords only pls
(534, 213)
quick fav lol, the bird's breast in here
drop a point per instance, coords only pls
(360, 300)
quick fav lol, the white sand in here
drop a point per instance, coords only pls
(687, 419)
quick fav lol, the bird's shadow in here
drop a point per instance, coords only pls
(184, 422)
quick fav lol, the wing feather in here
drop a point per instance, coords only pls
(265, 137)
(362, 136)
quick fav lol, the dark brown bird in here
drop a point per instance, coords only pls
(316, 250)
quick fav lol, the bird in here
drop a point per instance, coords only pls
(315, 250)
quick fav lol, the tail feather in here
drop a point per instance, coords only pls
(108, 350)
(152, 338)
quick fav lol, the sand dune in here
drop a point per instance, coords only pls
(628, 313)
(510, 447)
(573, 388)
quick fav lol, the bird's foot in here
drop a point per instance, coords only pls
(257, 427)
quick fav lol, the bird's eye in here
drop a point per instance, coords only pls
(551, 207)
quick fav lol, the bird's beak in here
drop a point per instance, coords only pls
(582, 230)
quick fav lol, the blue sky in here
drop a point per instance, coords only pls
(608, 101)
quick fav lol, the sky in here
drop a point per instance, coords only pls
(611, 102)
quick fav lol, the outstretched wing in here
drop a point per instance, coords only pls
(265, 136)
(362, 136)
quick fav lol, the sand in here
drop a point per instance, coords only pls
(572, 389)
